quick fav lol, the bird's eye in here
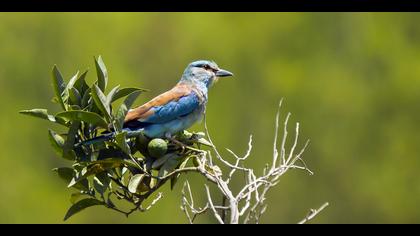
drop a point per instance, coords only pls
(206, 67)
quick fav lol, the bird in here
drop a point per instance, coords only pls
(176, 109)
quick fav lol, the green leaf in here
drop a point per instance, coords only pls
(110, 203)
(123, 109)
(126, 91)
(59, 85)
(130, 163)
(75, 98)
(204, 142)
(111, 163)
(86, 98)
(72, 81)
(81, 84)
(184, 136)
(82, 185)
(97, 167)
(85, 116)
(68, 152)
(102, 73)
(124, 170)
(160, 161)
(111, 95)
(147, 164)
(112, 153)
(101, 182)
(120, 138)
(43, 114)
(199, 138)
(152, 183)
(56, 141)
(169, 166)
(67, 174)
(40, 113)
(134, 182)
(66, 94)
(74, 108)
(74, 197)
(199, 135)
(100, 101)
(81, 205)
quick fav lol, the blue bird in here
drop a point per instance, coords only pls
(177, 109)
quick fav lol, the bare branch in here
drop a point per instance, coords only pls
(249, 201)
(212, 206)
(239, 159)
(185, 202)
(177, 171)
(276, 134)
(305, 167)
(313, 213)
(294, 143)
(298, 156)
(283, 143)
(248, 152)
(229, 164)
(209, 138)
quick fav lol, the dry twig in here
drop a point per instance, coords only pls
(248, 204)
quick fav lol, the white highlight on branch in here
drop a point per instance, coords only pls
(313, 213)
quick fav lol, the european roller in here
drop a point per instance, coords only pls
(177, 109)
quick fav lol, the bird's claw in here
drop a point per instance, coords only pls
(179, 143)
(182, 145)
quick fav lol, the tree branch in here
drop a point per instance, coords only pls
(312, 213)
(249, 201)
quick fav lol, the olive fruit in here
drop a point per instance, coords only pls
(157, 147)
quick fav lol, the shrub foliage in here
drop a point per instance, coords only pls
(127, 167)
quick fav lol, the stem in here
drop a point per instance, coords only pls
(313, 213)
(224, 210)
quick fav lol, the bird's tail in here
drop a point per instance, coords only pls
(106, 137)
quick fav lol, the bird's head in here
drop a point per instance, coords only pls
(204, 72)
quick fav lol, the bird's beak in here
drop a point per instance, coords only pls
(223, 73)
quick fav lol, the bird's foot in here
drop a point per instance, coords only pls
(178, 143)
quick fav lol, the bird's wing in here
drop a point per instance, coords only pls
(179, 101)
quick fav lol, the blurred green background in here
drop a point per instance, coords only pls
(352, 80)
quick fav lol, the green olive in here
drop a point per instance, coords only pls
(157, 147)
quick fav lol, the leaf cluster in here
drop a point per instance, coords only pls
(116, 169)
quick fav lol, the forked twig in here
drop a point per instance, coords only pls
(248, 204)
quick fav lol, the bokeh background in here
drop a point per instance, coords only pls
(352, 80)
